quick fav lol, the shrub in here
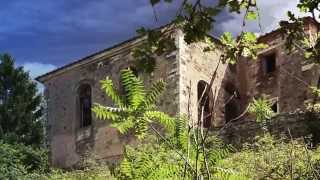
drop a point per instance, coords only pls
(96, 173)
(18, 160)
(269, 158)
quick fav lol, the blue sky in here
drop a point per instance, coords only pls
(45, 34)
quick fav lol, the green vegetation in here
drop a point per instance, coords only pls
(93, 173)
(270, 158)
(19, 160)
(135, 110)
(20, 110)
(181, 149)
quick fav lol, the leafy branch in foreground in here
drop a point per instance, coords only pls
(178, 153)
(196, 20)
(261, 109)
(135, 109)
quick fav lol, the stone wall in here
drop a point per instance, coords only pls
(196, 66)
(233, 88)
(288, 84)
(68, 142)
(300, 125)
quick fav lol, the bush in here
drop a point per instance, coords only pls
(18, 160)
(96, 173)
(269, 158)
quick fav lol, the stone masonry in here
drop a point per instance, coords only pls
(273, 75)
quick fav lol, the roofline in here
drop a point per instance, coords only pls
(276, 31)
(41, 78)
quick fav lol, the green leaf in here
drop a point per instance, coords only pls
(251, 15)
(249, 37)
(227, 38)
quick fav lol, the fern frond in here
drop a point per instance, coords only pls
(216, 155)
(228, 174)
(163, 118)
(124, 126)
(154, 92)
(181, 133)
(141, 127)
(107, 113)
(108, 87)
(134, 88)
(126, 169)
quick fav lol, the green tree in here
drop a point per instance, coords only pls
(19, 105)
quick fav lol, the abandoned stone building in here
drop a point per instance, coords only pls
(72, 89)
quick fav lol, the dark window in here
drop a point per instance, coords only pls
(270, 63)
(274, 107)
(85, 105)
(231, 111)
(205, 103)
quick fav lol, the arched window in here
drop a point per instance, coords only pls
(205, 103)
(85, 105)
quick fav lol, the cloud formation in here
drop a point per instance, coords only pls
(59, 32)
(62, 31)
(271, 12)
(36, 69)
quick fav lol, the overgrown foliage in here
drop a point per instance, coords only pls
(270, 158)
(92, 173)
(196, 19)
(155, 159)
(18, 160)
(135, 109)
(183, 151)
(19, 105)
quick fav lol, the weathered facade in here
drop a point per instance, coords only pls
(186, 70)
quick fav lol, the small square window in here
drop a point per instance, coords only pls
(270, 63)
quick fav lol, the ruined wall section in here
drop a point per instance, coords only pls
(67, 141)
(287, 84)
(300, 124)
(196, 65)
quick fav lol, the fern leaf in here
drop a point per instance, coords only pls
(107, 113)
(181, 133)
(124, 126)
(126, 169)
(228, 174)
(109, 89)
(154, 92)
(141, 127)
(164, 119)
(134, 88)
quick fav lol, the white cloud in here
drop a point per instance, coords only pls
(36, 69)
(271, 12)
